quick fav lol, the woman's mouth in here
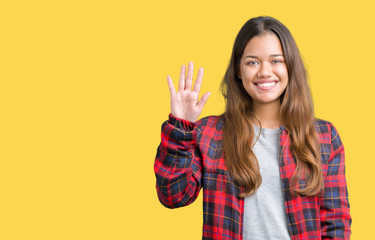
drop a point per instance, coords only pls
(266, 85)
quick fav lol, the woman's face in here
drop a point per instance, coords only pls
(263, 69)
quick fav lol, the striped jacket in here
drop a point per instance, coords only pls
(190, 156)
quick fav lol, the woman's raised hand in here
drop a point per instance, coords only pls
(184, 103)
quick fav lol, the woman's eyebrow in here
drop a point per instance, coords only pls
(272, 55)
(248, 56)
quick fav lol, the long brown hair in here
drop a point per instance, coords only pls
(297, 115)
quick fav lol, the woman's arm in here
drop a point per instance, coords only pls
(178, 166)
(335, 213)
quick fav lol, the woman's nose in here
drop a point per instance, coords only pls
(264, 71)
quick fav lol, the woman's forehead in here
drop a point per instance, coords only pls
(266, 44)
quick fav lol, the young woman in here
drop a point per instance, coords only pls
(269, 169)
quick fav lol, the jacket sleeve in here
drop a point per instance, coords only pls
(334, 212)
(178, 167)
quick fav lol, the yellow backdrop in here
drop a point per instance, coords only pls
(84, 94)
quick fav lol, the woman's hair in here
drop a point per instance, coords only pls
(297, 115)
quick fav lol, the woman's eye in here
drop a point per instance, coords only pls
(276, 61)
(252, 63)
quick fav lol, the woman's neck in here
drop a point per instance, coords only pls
(268, 114)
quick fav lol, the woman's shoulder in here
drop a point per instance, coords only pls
(324, 126)
(211, 122)
(212, 118)
(328, 133)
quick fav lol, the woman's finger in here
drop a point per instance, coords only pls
(198, 82)
(189, 76)
(203, 100)
(171, 86)
(181, 84)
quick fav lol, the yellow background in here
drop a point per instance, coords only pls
(83, 95)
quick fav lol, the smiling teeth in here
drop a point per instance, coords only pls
(266, 84)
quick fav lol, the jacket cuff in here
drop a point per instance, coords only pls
(181, 123)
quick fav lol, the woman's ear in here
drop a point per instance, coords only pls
(239, 73)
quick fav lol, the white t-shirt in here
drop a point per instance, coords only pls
(264, 213)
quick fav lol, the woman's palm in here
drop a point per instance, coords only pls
(184, 103)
